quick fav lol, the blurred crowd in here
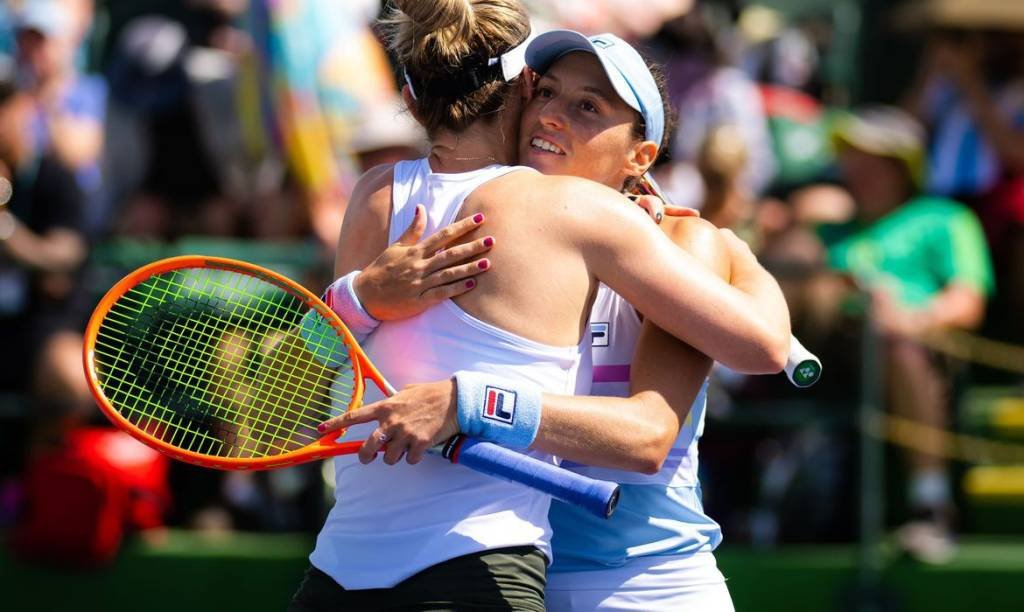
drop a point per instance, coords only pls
(128, 125)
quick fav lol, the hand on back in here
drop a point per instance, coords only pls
(413, 274)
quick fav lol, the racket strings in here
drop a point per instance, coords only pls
(209, 361)
(262, 431)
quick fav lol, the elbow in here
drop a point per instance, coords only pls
(649, 460)
(650, 465)
(778, 354)
(768, 357)
(649, 455)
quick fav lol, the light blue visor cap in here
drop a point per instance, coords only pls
(625, 68)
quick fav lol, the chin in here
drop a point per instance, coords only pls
(546, 163)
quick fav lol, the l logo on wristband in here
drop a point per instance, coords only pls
(500, 405)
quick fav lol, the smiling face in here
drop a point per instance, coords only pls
(577, 125)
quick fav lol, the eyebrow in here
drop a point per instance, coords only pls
(587, 88)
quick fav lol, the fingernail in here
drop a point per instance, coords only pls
(489, 241)
(478, 218)
(417, 212)
(470, 284)
(322, 427)
(658, 217)
(483, 264)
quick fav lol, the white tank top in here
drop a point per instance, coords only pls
(658, 514)
(390, 522)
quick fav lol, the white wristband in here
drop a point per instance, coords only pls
(341, 297)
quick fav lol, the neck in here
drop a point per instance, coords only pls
(478, 146)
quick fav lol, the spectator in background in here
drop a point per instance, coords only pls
(322, 68)
(709, 94)
(924, 261)
(42, 246)
(970, 91)
(70, 106)
(388, 134)
(167, 183)
(629, 19)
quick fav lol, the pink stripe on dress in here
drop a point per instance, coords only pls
(611, 373)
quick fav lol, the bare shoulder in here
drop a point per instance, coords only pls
(364, 231)
(702, 239)
(687, 229)
(590, 206)
(373, 191)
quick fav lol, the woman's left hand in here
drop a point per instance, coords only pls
(412, 275)
(411, 421)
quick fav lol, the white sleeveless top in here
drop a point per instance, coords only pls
(658, 514)
(390, 522)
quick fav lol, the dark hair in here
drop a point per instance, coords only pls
(441, 42)
(640, 126)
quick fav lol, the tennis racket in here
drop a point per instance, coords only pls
(227, 365)
(803, 368)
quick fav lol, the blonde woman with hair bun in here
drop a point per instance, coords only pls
(424, 534)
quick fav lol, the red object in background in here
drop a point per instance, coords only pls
(1001, 212)
(791, 104)
(80, 499)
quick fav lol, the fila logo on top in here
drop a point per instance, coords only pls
(500, 405)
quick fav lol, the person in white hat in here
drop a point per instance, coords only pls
(925, 261)
(70, 105)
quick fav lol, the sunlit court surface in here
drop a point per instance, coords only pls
(205, 339)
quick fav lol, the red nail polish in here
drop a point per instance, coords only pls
(321, 428)
(489, 241)
(483, 264)
(470, 284)
(416, 213)
(478, 218)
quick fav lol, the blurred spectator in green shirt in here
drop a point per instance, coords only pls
(925, 262)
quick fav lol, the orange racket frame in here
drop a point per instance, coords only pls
(326, 446)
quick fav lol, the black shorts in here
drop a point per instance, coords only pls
(502, 579)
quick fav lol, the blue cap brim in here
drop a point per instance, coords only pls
(549, 47)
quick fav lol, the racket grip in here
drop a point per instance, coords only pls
(802, 368)
(597, 496)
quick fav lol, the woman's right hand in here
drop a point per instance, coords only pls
(411, 276)
(658, 210)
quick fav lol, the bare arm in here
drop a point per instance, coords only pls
(670, 286)
(77, 141)
(636, 433)
(58, 250)
(364, 231)
(957, 306)
(633, 433)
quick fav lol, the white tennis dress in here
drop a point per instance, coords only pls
(655, 553)
(390, 522)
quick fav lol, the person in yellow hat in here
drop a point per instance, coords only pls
(926, 264)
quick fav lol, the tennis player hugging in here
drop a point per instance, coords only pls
(565, 253)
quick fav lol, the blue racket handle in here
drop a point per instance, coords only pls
(598, 496)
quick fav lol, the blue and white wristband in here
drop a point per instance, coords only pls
(342, 299)
(497, 410)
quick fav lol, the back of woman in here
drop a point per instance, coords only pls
(541, 284)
